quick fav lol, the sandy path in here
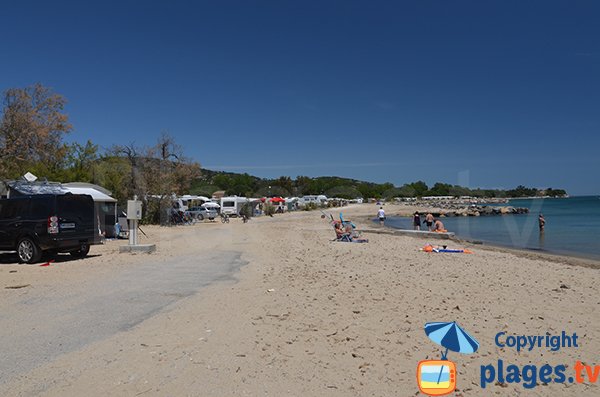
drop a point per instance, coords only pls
(43, 325)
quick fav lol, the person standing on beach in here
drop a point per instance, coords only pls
(429, 220)
(541, 222)
(417, 221)
(381, 216)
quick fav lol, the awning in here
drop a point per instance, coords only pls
(96, 195)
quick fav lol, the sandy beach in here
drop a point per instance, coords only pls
(282, 310)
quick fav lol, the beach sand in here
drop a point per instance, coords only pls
(307, 316)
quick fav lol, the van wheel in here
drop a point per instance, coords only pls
(27, 250)
(83, 250)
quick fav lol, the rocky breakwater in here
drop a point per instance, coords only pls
(485, 210)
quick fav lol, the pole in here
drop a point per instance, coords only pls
(442, 369)
(133, 225)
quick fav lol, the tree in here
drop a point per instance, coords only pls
(440, 189)
(419, 187)
(404, 191)
(80, 163)
(347, 192)
(133, 183)
(154, 174)
(302, 185)
(113, 173)
(284, 182)
(165, 171)
(31, 130)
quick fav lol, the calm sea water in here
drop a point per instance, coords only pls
(572, 226)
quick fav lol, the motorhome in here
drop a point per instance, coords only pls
(232, 205)
(319, 200)
(183, 203)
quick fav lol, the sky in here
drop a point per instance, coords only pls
(484, 94)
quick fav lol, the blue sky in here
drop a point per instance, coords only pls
(489, 94)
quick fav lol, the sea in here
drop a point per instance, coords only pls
(572, 226)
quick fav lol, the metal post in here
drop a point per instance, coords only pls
(133, 225)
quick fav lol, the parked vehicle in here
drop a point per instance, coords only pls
(318, 200)
(201, 213)
(233, 205)
(47, 223)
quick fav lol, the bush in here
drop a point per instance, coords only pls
(310, 207)
(269, 209)
(246, 210)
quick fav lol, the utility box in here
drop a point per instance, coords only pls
(134, 209)
(134, 214)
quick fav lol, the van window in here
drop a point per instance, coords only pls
(42, 207)
(11, 209)
(75, 207)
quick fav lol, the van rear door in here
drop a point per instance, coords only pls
(75, 216)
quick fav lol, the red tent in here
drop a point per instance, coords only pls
(277, 200)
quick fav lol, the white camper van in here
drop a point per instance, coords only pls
(182, 203)
(319, 200)
(232, 205)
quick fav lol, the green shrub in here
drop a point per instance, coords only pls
(269, 209)
(310, 207)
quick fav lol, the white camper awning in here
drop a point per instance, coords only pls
(96, 195)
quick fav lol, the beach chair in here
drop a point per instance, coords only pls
(346, 237)
(346, 222)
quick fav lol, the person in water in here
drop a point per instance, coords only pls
(417, 221)
(428, 221)
(541, 222)
(381, 216)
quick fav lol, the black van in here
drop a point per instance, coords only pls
(34, 224)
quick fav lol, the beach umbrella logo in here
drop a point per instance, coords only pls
(438, 377)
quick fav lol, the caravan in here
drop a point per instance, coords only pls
(318, 200)
(232, 205)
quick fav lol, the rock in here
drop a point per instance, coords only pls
(486, 211)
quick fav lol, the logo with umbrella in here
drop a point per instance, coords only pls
(438, 377)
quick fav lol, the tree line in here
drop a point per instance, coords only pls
(250, 186)
(34, 124)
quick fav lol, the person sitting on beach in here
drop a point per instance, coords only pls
(348, 229)
(340, 233)
(344, 235)
(439, 227)
(417, 221)
(428, 221)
